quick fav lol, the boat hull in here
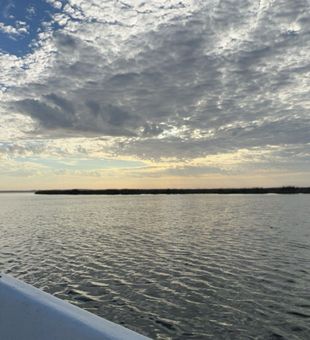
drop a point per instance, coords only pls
(29, 313)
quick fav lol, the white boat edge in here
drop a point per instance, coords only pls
(27, 313)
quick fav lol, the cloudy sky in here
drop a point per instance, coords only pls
(154, 93)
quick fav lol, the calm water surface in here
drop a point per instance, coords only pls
(170, 267)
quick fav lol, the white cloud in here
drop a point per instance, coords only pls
(162, 79)
(31, 11)
(55, 3)
(20, 28)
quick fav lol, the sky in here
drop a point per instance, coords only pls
(154, 93)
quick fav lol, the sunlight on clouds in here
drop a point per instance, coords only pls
(182, 91)
(14, 126)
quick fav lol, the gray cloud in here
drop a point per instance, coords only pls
(213, 77)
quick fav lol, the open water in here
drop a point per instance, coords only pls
(169, 267)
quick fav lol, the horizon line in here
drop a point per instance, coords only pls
(157, 189)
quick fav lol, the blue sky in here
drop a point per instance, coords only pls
(28, 18)
(191, 93)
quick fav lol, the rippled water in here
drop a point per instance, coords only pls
(179, 267)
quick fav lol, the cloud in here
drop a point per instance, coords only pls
(31, 11)
(8, 7)
(21, 28)
(55, 3)
(168, 79)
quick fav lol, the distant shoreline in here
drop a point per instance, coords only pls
(278, 190)
(16, 191)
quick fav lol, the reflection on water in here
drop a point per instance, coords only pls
(180, 267)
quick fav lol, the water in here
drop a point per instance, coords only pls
(169, 267)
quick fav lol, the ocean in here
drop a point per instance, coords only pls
(168, 266)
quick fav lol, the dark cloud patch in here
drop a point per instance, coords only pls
(151, 130)
(63, 104)
(65, 42)
(94, 107)
(59, 113)
(49, 117)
